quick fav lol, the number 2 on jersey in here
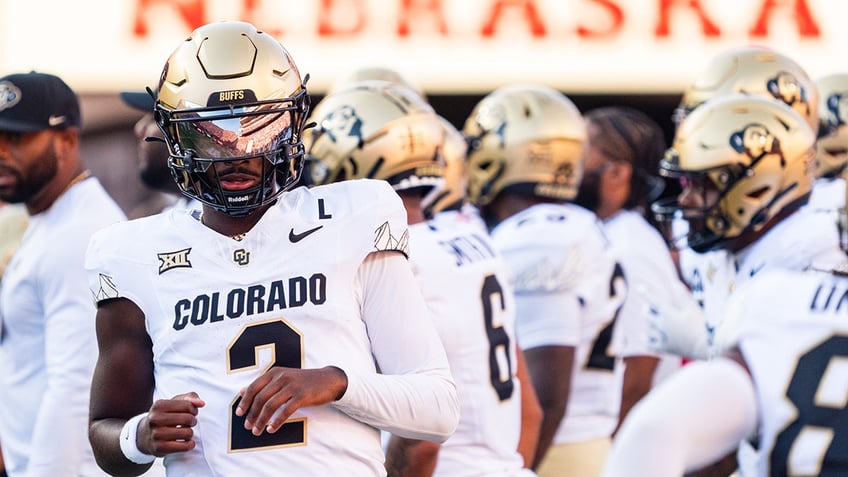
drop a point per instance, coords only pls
(286, 346)
(599, 358)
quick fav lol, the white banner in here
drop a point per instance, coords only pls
(447, 46)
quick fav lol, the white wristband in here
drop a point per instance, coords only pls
(128, 442)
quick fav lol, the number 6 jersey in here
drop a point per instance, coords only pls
(569, 288)
(291, 292)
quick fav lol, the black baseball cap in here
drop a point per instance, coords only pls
(140, 100)
(31, 102)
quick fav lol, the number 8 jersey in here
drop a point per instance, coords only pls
(792, 329)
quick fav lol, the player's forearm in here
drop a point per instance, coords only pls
(696, 417)
(531, 413)
(105, 438)
(411, 458)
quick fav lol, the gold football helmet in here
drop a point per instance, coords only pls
(748, 157)
(451, 195)
(379, 73)
(229, 93)
(376, 130)
(754, 70)
(526, 139)
(832, 146)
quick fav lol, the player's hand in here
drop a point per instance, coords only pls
(677, 327)
(273, 397)
(167, 429)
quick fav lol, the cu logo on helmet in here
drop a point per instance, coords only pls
(343, 124)
(491, 119)
(755, 141)
(837, 107)
(786, 88)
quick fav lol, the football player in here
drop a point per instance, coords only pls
(756, 70)
(282, 326)
(524, 165)
(747, 163)
(384, 130)
(622, 151)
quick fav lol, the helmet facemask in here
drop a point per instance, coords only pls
(201, 137)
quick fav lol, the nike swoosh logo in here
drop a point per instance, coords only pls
(55, 120)
(294, 238)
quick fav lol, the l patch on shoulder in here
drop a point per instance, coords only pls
(170, 260)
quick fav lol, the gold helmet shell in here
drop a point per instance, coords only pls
(527, 139)
(378, 73)
(757, 153)
(832, 146)
(376, 130)
(758, 71)
(231, 92)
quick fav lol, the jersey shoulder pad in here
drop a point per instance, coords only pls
(362, 203)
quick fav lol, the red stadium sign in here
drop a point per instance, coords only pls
(619, 46)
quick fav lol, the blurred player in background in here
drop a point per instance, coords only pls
(524, 164)
(153, 157)
(620, 181)
(384, 130)
(832, 151)
(713, 274)
(748, 164)
(758, 71)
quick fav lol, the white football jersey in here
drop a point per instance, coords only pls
(828, 194)
(467, 290)
(805, 239)
(709, 275)
(220, 312)
(793, 333)
(568, 288)
(648, 266)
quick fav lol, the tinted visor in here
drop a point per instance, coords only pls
(237, 132)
